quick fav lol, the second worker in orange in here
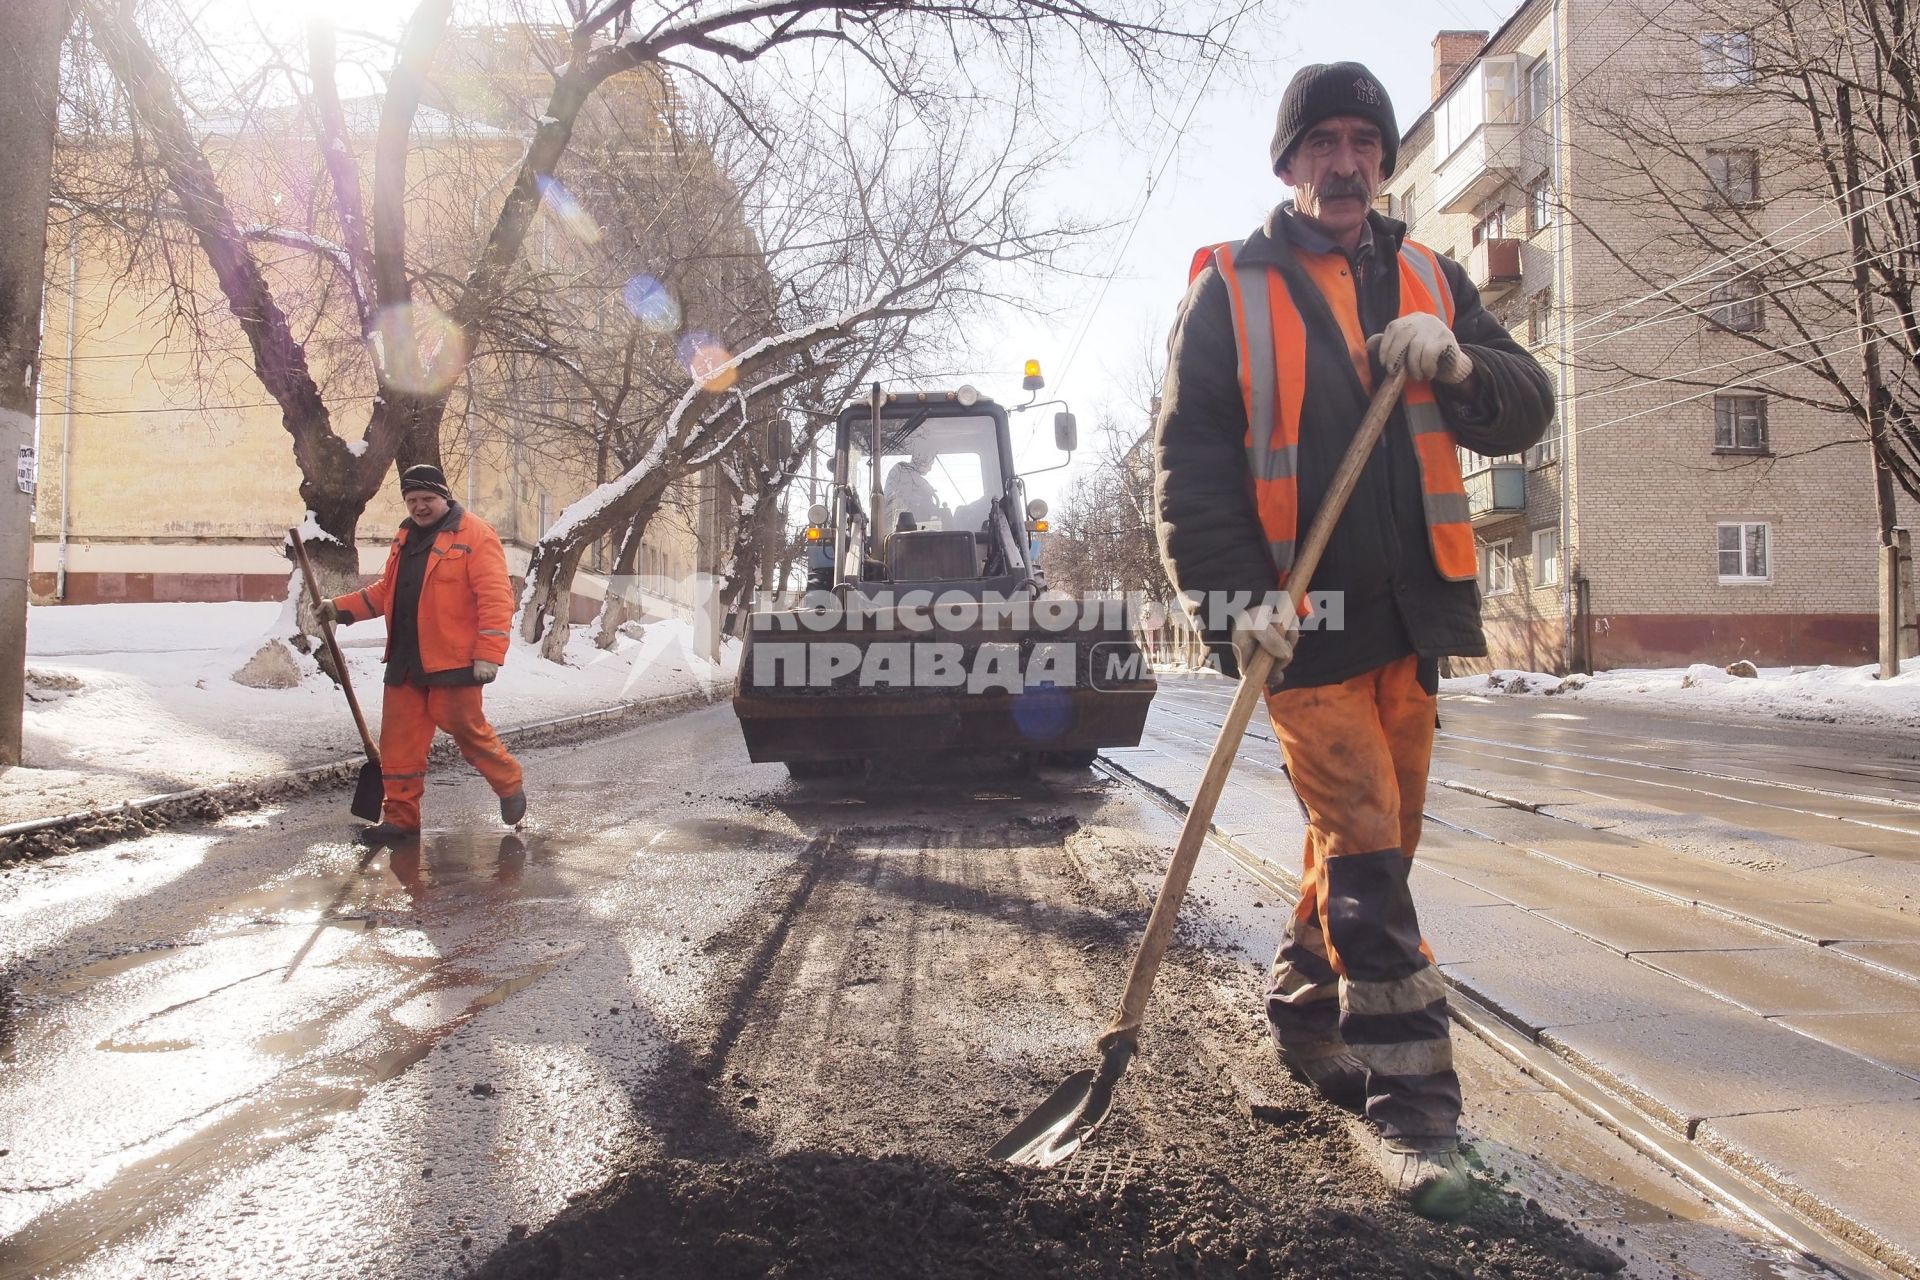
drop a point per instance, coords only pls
(448, 606)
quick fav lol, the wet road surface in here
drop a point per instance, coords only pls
(1720, 923)
(253, 1049)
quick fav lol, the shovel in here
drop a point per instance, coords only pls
(368, 789)
(1068, 1118)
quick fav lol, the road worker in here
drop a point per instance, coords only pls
(1275, 352)
(448, 605)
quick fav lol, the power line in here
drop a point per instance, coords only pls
(1778, 251)
(1714, 391)
(1146, 198)
(1635, 384)
(1684, 310)
(1726, 258)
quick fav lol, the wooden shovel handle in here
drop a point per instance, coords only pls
(1253, 684)
(333, 646)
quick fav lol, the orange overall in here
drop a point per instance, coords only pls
(1354, 975)
(464, 608)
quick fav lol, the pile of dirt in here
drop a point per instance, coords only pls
(824, 1215)
(868, 1049)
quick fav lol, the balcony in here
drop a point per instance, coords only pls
(1496, 492)
(1494, 267)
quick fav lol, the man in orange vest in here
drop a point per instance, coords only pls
(448, 606)
(1273, 357)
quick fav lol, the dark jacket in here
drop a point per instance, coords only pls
(1394, 600)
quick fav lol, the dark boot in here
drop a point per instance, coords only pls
(386, 833)
(514, 807)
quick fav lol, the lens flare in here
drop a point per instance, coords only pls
(418, 348)
(576, 221)
(706, 359)
(651, 304)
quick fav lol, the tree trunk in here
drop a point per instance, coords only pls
(550, 574)
(615, 612)
(29, 93)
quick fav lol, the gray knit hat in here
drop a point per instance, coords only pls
(1327, 89)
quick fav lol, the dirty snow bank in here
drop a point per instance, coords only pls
(1821, 695)
(131, 700)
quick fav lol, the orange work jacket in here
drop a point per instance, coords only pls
(466, 602)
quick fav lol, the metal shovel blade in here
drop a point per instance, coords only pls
(1068, 1117)
(369, 791)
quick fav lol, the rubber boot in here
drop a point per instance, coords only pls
(387, 833)
(513, 808)
(1429, 1175)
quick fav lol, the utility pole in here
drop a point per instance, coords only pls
(29, 90)
(1887, 551)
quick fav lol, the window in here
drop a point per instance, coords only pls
(1744, 552)
(1548, 450)
(1488, 94)
(1539, 206)
(1737, 305)
(1539, 86)
(1539, 314)
(542, 507)
(1496, 567)
(1726, 59)
(1740, 424)
(1735, 175)
(1491, 227)
(1546, 557)
(1407, 207)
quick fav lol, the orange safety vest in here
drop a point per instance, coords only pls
(1272, 342)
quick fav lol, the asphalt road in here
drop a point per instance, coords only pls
(250, 1049)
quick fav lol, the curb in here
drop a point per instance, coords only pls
(66, 833)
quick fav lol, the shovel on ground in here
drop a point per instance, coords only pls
(368, 789)
(1068, 1118)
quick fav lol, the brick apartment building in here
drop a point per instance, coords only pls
(1669, 517)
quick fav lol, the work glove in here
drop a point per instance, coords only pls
(1274, 628)
(484, 672)
(326, 612)
(1425, 345)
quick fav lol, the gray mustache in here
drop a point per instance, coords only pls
(1334, 190)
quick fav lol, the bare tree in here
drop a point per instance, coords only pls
(927, 56)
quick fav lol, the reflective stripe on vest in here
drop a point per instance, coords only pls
(1271, 339)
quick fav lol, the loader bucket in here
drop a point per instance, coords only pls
(890, 679)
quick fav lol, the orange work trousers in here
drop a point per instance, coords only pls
(1353, 974)
(408, 717)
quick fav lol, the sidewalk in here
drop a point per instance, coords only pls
(1846, 696)
(135, 700)
(1770, 1019)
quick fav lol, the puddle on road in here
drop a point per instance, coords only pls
(303, 1101)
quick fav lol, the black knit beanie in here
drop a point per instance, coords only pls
(425, 476)
(1327, 89)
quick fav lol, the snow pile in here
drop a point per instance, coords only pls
(132, 700)
(1824, 694)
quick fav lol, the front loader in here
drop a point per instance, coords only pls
(926, 629)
